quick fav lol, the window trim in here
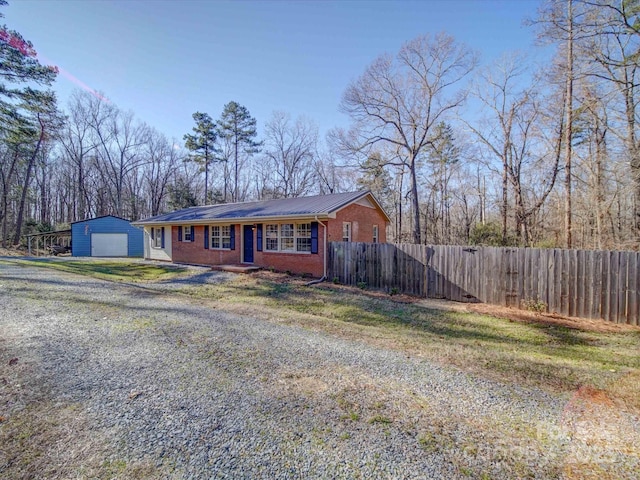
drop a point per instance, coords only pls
(347, 226)
(220, 237)
(266, 238)
(184, 233)
(156, 238)
(376, 234)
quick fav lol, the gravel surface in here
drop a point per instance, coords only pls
(188, 391)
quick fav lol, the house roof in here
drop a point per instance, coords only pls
(319, 205)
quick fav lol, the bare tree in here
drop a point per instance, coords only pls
(593, 165)
(330, 176)
(289, 150)
(119, 152)
(562, 22)
(508, 131)
(163, 159)
(614, 45)
(78, 143)
(398, 100)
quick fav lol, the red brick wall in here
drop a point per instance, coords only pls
(362, 221)
(299, 263)
(194, 252)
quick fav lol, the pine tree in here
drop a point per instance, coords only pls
(21, 128)
(180, 195)
(376, 178)
(238, 127)
(203, 145)
(18, 66)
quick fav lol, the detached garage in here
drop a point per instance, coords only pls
(106, 236)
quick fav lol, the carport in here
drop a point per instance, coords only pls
(44, 240)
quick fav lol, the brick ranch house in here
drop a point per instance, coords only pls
(288, 234)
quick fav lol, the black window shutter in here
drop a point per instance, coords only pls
(162, 238)
(314, 237)
(206, 237)
(180, 233)
(232, 240)
(152, 229)
(193, 233)
(259, 237)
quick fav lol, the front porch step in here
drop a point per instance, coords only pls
(236, 268)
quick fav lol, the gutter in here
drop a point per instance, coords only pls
(324, 257)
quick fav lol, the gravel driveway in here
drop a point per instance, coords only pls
(158, 385)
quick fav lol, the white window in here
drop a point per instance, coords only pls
(271, 235)
(221, 236)
(187, 232)
(346, 231)
(303, 237)
(156, 237)
(375, 234)
(288, 237)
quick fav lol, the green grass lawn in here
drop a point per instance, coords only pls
(113, 270)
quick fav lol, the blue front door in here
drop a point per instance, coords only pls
(247, 235)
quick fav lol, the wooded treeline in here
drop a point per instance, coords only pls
(509, 153)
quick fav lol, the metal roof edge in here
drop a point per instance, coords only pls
(52, 232)
(101, 216)
(375, 201)
(224, 221)
(357, 196)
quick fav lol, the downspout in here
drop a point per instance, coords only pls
(324, 257)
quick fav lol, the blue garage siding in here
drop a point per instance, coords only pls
(81, 235)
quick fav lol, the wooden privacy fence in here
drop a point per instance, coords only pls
(580, 283)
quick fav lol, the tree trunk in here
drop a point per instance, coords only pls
(82, 206)
(505, 199)
(635, 173)
(6, 186)
(399, 211)
(569, 128)
(206, 176)
(600, 197)
(44, 196)
(235, 176)
(25, 187)
(415, 204)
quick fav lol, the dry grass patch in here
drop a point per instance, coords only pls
(483, 445)
(549, 355)
(12, 252)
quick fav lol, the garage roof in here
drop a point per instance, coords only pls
(101, 216)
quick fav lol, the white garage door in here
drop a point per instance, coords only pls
(109, 244)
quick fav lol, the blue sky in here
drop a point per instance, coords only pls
(165, 60)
